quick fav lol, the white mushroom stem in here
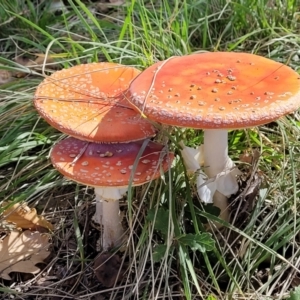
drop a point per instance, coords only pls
(218, 181)
(108, 215)
(215, 152)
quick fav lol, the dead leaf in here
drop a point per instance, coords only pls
(24, 217)
(42, 59)
(23, 61)
(36, 64)
(51, 61)
(104, 6)
(246, 158)
(20, 252)
(7, 226)
(5, 76)
(295, 280)
(117, 2)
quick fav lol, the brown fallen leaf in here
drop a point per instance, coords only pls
(5, 76)
(246, 158)
(20, 252)
(7, 226)
(23, 61)
(24, 217)
(107, 269)
(104, 6)
(250, 157)
(37, 63)
(117, 2)
(51, 61)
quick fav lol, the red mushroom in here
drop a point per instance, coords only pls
(87, 101)
(108, 168)
(216, 92)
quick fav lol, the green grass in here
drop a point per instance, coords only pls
(171, 256)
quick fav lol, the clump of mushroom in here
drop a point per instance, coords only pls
(216, 92)
(88, 102)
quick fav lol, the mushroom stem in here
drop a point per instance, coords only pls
(215, 151)
(108, 215)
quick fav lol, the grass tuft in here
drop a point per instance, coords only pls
(169, 254)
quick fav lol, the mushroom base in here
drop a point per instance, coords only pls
(108, 216)
(217, 181)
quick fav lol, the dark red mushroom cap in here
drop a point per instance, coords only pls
(87, 101)
(109, 164)
(216, 90)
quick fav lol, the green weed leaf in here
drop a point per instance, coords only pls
(211, 297)
(202, 242)
(160, 219)
(159, 252)
(295, 295)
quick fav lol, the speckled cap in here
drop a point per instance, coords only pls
(87, 101)
(102, 165)
(216, 90)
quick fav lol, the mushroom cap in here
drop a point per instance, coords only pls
(104, 165)
(216, 90)
(87, 101)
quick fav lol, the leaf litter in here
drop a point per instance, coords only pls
(23, 217)
(21, 251)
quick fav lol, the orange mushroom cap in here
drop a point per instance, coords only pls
(216, 90)
(104, 165)
(87, 101)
